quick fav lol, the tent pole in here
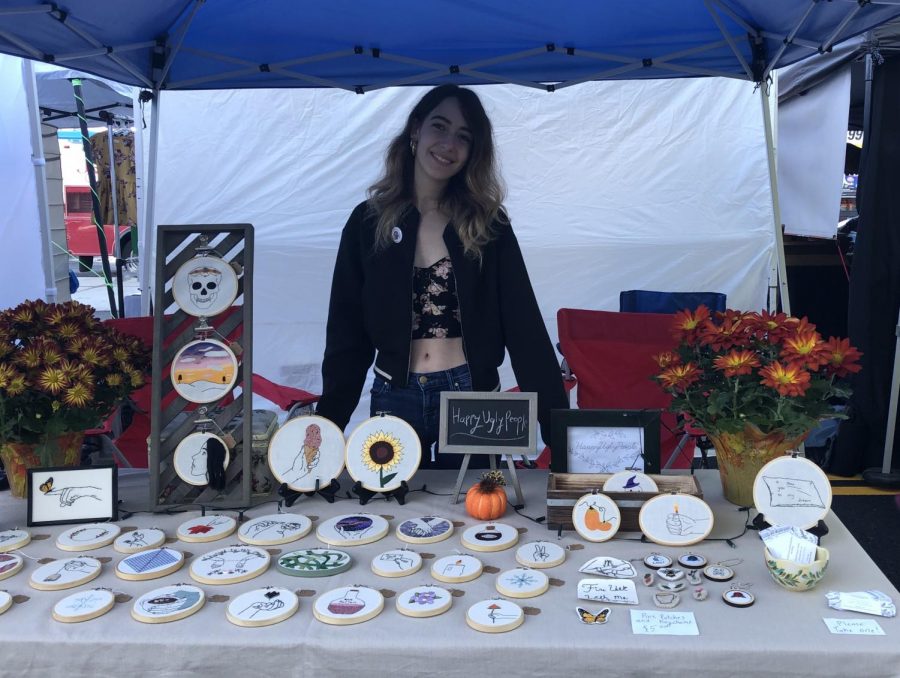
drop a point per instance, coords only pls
(149, 205)
(781, 288)
(40, 179)
(117, 248)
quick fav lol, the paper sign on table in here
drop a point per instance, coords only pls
(868, 602)
(663, 623)
(854, 627)
(608, 591)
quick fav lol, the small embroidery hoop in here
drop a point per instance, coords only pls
(152, 574)
(15, 569)
(683, 561)
(85, 616)
(187, 448)
(277, 517)
(219, 393)
(258, 570)
(247, 598)
(182, 296)
(175, 616)
(96, 568)
(230, 525)
(539, 589)
(284, 437)
(362, 475)
(12, 544)
(64, 540)
(539, 565)
(662, 500)
(509, 537)
(649, 485)
(657, 566)
(338, 569)
(326, 618)
(611, 515)
(120, 547)
(393, 574)
(424, 540)
(727, 577)
(746, 603)
(434, 611)
(379, 530)
(451, 579)
(6, 601)
(495, 628)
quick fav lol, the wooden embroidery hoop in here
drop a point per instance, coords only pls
(155, 573)
(523, 551)
(218, 393)
(344, 563)
(404, 607)
(207, 578)
(64, 541)
(98, 611)
(174, 616)
(232, 613)
(661, 502)
(327, 532)
(468, 574)
(16, 568)
(40, 585)
(181, 284)
(185, 451)
(509, 537)
(225, 527)
(610, 515)
(321, 612)
(538, 589)
(288, 441)
(18, 539)
(412, 569)
(410, 539)
(406, 467)
(157, 539)
(484, 606)
(6, 601)
(287, 538)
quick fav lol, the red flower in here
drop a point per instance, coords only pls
(806, 348)
(736, 362)
(666, 359)
(679, 377)
(731, 330)
(788, 380)
(842, 357)
(687, 323)
(772, 327)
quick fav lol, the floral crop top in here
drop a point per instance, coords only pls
(434, 303)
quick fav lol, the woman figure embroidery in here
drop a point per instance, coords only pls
(308, 457)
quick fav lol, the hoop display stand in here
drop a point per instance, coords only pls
(172, 416)
(289, 496)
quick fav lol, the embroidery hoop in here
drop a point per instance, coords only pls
(170, 591)
(158, 538)
(404, 607)
(38, 579)
(686, 560)
(151, 573)
(656, 517)
(373, 603)
(223, 527)
(328, 532)
(728, 575)
(617, 481)
(6, 601)
(539, 587)
(411, 539)
(183, 460)
(605, 507)
(287, 445)
(405, 572)
(375, 429)
(471, 568)
(258, 596)
(522, 555)
(19, 563)
(483, 611)
(16, 539)
(286, 538)
(747, 602)
(181, 360)
(210, 576)
(227, 287)
(342, 564)
(782, 502)
(508, 537)
(64, 541)
(108, 600)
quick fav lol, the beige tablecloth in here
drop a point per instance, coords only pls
(781, 635)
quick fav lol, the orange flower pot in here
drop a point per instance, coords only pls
(19, 457)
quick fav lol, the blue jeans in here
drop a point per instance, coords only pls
(418, 402)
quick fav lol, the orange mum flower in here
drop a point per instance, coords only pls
(732, 331)
(736, 362)
(788, 380)
(772, 326)
(666, 359)
(842, 357)
(687, 323)
(806, 348)
(679, 377)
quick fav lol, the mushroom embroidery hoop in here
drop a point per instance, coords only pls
(792, 491)
(495, 616)
(190, 458)
(382, 453)
(204, 371)
(262, 607)
(305, 450)
(205, 286)
(167, 604)
(273, 529)
(676, 519)
(596, 517)
(83, 606)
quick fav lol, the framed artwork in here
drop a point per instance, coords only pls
(63, 574)
(88, 537)
(205, 286)
(596, 517)
(262, 607)
(230, 565)
(354, 529)
(345, 606)
(676, 519)
(605, 441)
(382, 453)
(305, 451)
(424, 601)
(276, 528)
(84, 606)
(792, 491)
(495, 616)
(204, 371)
(167, 604)
(201, 457)
(65, 494)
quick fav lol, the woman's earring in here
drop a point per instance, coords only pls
(412, 146)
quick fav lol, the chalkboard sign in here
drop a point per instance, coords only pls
(475, 422)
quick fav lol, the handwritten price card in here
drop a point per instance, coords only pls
(660, 623)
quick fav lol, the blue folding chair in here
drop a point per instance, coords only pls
(648, 301)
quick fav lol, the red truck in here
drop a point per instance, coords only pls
(81, 234)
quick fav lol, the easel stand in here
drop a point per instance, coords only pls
(365, 496)
(328, 493)
(820, 530)
(520, 497)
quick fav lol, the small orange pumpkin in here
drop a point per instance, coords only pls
(486, 499)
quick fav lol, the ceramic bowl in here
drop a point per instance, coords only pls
(795, 576)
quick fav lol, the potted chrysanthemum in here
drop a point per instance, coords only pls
(62, 371)
(755, 383)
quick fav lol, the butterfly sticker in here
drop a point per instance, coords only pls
(587, 618)
(47, 486)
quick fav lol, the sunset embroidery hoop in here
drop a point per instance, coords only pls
(211, 527)
(10, 540)
(424, 601)
(456, 569)
(495, 616)
(190, 459)
(396, 563)
(792, 491)
(10, 564)
(348, 605)
(630, 481)
(274, 529)
(596, 517)
(204, 371)
(354, 529)
(88, 537)
(150, 564)
(315, 562)
(676, 519)
(139, 540)
(424, 530)
(540, 554)
(262, 607)
(83, 606)
(490, 537)
(168, 604)
(522, 582)
(305, 450)
(66, 573)
(382, 453)
(205, 286)
(230, 565)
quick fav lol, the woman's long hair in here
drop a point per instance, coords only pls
(473, 197)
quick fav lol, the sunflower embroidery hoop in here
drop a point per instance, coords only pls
(382, 454)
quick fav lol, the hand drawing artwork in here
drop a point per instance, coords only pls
(676, 519)
(307, 458)
(135, 539)
(262, 607)
(70, 494)
(230, 561)
(793, 492)
(273, 528)
(682, 525)
(494, 616)
(70, 567)
(426, 528)
(272, 603)
(307, 453)
(402, 561)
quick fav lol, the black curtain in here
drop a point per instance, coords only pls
(874, 281)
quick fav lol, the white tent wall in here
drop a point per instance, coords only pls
(22, 273)
(612, 186)
(812, 138)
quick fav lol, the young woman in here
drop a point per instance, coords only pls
(429, 280)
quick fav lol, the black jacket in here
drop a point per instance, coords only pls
(371, 310)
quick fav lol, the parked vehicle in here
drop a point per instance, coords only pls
(81, 234)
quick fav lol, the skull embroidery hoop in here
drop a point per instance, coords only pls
(205, 286)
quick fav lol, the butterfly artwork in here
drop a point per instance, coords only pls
(588, 618)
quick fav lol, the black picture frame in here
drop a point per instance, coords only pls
(60, 502)
(563, 420)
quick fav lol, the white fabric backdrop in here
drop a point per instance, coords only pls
(21, 272)
(612, 186)
(812, 144)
